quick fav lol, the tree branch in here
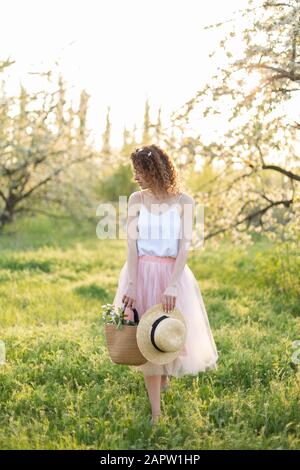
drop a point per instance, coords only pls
(50, 177)
(288, 173)
(249, 217)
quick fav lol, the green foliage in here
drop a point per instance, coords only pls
(119, 181)
(60, 390)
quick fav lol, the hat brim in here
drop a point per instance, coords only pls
(143, 334)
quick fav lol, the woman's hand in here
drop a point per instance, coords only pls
(129, 298)
(169, 298)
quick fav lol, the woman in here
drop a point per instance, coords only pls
(159, 233)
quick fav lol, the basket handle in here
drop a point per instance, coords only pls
(135, 313)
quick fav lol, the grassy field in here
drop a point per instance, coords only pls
(59, 389)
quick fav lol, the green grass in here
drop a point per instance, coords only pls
(59, 389)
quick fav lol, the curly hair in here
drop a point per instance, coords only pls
(157, 169)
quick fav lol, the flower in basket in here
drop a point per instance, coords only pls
(115, 315)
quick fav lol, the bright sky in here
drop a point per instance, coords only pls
(120, 51)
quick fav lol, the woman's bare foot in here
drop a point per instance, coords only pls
(155, 419)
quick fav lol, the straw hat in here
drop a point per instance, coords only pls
(161, 336)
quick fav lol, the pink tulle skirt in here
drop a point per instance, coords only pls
(154, 272)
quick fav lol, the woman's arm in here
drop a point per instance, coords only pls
(129, 296)
(187, 218)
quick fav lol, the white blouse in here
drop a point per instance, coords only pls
(159, 234)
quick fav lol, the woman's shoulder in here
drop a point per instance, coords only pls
(134, 197)
(186, 202)
(186, 198)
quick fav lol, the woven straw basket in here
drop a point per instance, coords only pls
(122, 345)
